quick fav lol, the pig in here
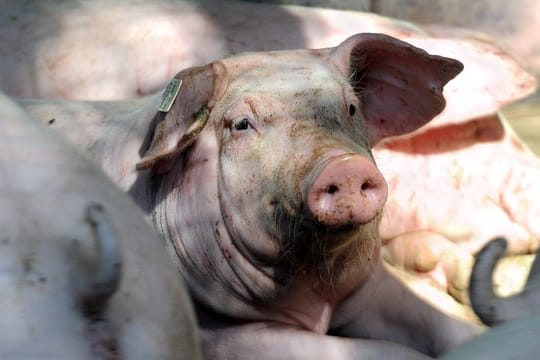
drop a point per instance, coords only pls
(55, 49)
(257, 172)
(497, 200)
(81, 271)
(58, 50)
(514, 24)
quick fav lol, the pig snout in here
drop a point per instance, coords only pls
(348, 190)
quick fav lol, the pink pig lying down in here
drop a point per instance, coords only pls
(439, 237)
(261, 180)
(56, 50)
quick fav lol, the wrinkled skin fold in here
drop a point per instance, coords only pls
(48, 54)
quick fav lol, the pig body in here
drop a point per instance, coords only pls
(81, 271)
(419, 234)
(512, 24)
(261, 181)
(43, 57)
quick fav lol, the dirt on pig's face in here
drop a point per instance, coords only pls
(252, 205)
(278, 127)
(279, 191)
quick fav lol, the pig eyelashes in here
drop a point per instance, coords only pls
(352, 110)
(242, 124)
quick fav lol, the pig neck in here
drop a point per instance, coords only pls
(120, 141)
(194, 218)
(112, 133)
(302, 304)
(309, 305)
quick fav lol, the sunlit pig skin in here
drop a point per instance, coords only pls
(514, 24)
(256, 251)
(473, 207)
(52, 49)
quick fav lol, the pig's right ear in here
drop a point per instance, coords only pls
(399, 85)
(176, 128)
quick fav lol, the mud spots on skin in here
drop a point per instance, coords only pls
(102, 341)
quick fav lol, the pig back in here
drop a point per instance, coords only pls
(50, 244)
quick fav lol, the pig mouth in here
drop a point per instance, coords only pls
(329, 224)
(306, 246)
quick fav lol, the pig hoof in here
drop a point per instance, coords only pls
(102, 281)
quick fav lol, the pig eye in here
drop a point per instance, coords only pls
(242, 124)
(352, 110)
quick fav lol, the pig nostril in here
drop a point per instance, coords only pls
(348, 190)
(365, 186)
(332, 189)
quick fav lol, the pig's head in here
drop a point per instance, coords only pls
(266, 170)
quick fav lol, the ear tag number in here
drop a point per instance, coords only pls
(169, 95)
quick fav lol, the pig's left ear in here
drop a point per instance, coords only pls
(176, 128)
(399, 85)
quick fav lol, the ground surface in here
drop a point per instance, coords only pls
(524, 117)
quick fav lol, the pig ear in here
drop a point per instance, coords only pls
(179, 126)
(400, 86)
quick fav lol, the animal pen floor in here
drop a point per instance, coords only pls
(524, 116)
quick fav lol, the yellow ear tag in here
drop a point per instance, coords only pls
(169, 95)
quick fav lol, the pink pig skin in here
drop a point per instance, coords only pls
(240, 179)
(48, 249)
(476, 207)
(56, 50)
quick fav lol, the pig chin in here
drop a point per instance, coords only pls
(329, 226)
(330, 254)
